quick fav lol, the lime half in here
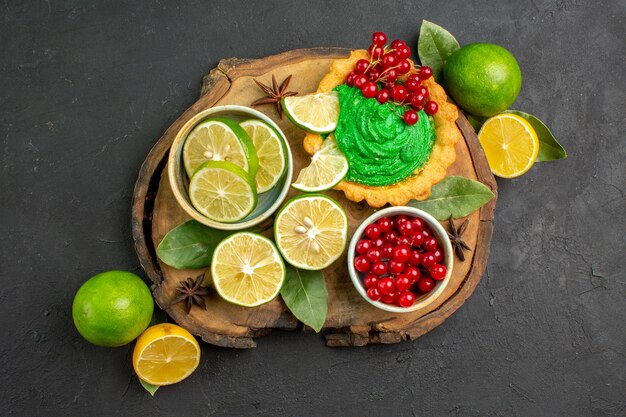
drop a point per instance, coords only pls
(311, 231)
(315, 113)
(270, 152)
(219, 139)
(328, 166)
(247, 269)
(222, 191)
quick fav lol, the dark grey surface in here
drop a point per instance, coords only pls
(85, 91)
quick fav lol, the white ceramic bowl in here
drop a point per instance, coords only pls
(441, 235)
(268, 202)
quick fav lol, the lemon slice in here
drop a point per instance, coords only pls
(510, 143)
(165, 354)
(315, 113)
(247, 269)
(311, 231)
(219, 139)
(269, 150)
(222, 191)
(328, 166)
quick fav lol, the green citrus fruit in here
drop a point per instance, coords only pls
(482, 78)
(112, 308)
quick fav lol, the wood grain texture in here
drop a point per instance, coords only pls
(351, 321)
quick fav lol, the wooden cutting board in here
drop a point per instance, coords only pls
(351, 321)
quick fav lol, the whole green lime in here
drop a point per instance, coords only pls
(482, 78)
(112, 308)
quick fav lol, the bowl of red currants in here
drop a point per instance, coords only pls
(400, 259)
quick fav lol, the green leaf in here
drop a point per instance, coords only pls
(306, 295)
(148, 387)
(434, 47)
(190, 245)
(456, 196)
(549, 148)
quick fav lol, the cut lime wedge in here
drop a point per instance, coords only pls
(222, 191)
(315, 113)
(328, 166)
(247, 269)
(270, 152)
(219, 139)
(311, 231)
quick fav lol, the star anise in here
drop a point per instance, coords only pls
(191, 292)
(456, 238)
(274, 93)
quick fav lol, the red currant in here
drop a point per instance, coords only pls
(426, 284)
(422, 90)
(379, 268)
(404, 240)
(372, 231)
(431, 243)
(438, 254)
(401, 253)
(389, 60)
(384, 224)
(406, 228)
(350, 79)
(373, 294)
(414, 77)
(390, 76)
(411, 85)
(406, 299)
(410, 117)
(395, 267)
(401, 218)
(388, 250)
(428, 260)
(374, 254)
(417, 101)
(403, 52)
(425, 72)
(361, 264)
(379, 38)
(399, 93)
(403, 67)
(369, 90)
(431, 108)
(418, 223)
(403, 282)
(378, 242)
(383, 96)
(415, 258)
(413, 273)
(391, 236)
(426, 231)
(397, 43)
(417, 239)
(361, 66)
(362, 246)
(375, 51)
(386, 285)
(371, 280)
(373, 75)
(389, 298)
(360, 80)
(438, 272)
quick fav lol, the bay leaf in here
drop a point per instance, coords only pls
(148, 387)
(306, 295)
(549, 148)
(434, 47)
(190, 245)
(456, 196)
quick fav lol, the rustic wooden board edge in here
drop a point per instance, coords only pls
(214, 86)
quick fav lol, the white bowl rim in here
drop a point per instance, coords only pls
(440, 286)
(172, 164)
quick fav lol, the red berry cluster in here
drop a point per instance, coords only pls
(399, 257)
(379, 77)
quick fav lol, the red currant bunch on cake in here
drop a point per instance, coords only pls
(399, 259)
(388, 76)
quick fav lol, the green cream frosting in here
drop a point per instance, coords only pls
(381, 149)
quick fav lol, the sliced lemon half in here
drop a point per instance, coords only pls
(315, 113)
(328, 166)
(270, 152)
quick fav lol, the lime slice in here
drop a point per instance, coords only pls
(219, 139)
(247, 269)
(222, 191)
(315, 113)
(269, 150)
(328, 166)
(311, 231)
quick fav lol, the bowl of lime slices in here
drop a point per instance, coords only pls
(230, 167)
